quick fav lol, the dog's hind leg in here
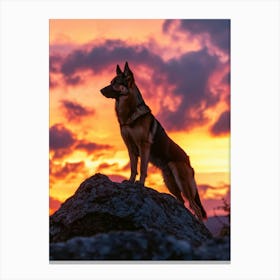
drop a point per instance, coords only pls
(171, 183)
(184, 178)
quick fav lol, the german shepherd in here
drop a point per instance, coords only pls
(145, 137)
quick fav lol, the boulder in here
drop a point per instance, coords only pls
(105, 220)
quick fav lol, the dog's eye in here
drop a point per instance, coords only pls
(116, 87)
(123, 89)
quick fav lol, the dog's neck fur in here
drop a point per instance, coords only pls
(131, 106)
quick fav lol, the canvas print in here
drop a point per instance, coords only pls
(139, 133)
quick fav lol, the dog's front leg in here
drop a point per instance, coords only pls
(144, 158)
(133, 166)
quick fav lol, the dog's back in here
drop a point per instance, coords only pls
(164, 148)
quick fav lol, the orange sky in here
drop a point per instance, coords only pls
(84, 133)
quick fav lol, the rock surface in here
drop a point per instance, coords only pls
(104, 220)
(123, 245)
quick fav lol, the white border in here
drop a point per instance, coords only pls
(254, 145)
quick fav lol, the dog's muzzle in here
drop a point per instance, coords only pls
(109, 92)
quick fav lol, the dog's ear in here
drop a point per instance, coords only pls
(118, 70)
(128, 75)
(127, 70)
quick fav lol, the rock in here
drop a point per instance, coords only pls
(143, 245)
(101, 206)
(214, 249)
(104, 220)
(123, 245)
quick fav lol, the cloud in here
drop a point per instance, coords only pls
(188, 76)
(74, 111)
(63, 142)
(211, 197)
(222, 125)
(52, 82)
(73, 80)
(226, 79)
(55, 63)
(110, 52)
(91, 147)
(217, 192)
(62, 171)
(204, 187)
(106, 165)
(60, 137)
(218, 30)
(112, 167)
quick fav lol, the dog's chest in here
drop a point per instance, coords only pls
(133, 135)
(127, 133)
(124, 108)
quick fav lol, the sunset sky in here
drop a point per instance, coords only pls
(182, 68)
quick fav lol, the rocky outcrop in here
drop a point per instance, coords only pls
(104, 220)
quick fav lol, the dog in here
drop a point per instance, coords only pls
(144, 137)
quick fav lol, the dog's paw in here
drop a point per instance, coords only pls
(127, 182)
(139, 184)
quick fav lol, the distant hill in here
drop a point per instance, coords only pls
(215, 224)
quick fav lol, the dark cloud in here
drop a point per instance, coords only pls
(205, 187)
(73, 80)
(188, 75)
(55, 63)
(60, 137)
(226, 79)
(74, 111)
(63, 142)
(91, 147)
(111, 52)
(217, 29)
(63, 171)
(103, 166)
(166, 25)
(222, 126)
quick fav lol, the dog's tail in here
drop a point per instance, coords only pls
(198, 202)
(194, 198)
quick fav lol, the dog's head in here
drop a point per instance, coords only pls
(121, 84)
